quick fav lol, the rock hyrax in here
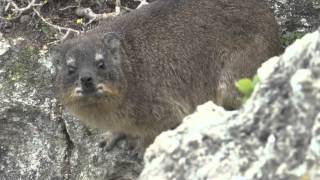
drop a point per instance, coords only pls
(142, 72)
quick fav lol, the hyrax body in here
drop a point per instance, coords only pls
(142, 72)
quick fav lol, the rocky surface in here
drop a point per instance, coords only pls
(37, 140)
(296, 15)
(275, 135)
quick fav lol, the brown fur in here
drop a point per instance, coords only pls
(175, 54)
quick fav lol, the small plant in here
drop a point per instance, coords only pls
(246, 86)
(44, 28)
(290, 37)
(79, 21)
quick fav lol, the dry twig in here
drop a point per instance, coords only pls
(31, 6)
(60, 28)
(68, 7)
(88, 13)
(20, 11)
(142, 3)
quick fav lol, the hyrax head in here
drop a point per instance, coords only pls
(89, 72)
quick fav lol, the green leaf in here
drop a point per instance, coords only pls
(245, 86)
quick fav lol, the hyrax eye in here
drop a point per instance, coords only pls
(101, 65)
(71, 70)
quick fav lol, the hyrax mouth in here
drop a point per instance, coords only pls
(99, 90)
(82, 92)
(104, 94)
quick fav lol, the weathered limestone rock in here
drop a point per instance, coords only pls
(276, 135)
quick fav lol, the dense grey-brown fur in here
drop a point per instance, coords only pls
(173, 55)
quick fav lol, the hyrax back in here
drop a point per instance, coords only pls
(142, 72)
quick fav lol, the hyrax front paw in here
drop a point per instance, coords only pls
(111, 140)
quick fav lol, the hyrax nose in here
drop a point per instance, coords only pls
(86, 79)
(87, 82)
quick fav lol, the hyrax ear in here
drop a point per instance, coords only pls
(112, 41)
